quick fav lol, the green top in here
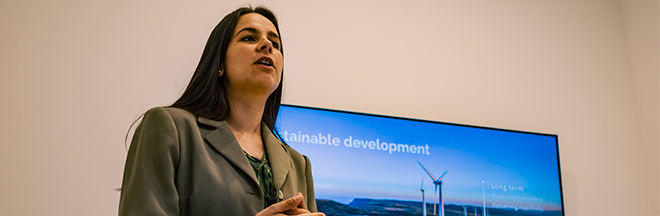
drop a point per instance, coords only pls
(265, 177)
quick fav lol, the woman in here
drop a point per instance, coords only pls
(214, 151)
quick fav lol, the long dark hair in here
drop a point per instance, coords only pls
(206, 94)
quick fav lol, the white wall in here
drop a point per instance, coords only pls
(74, 74)
(641, 28)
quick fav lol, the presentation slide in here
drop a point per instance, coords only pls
(378, 165)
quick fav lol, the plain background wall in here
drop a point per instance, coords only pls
(74, 74)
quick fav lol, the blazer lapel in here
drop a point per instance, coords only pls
(279, 158)
(223, 140)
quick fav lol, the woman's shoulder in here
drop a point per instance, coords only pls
(173, 113)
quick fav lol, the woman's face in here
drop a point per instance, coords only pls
(253, 64)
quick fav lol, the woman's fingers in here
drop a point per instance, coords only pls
(292, 206)
(297, 211)
(312, 214)
(284, 206)
(302, 204)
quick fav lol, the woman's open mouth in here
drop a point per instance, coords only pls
(265, 61)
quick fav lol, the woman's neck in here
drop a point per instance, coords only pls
(245, 123)
(245, 117)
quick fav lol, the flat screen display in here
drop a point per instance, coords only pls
(365, 164)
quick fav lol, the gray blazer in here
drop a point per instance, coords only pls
(179, 164)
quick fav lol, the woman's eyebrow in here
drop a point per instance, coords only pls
(253, 30)
(273, 34)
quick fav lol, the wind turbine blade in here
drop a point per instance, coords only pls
(421, 187)
(442, 175)
(427, 172)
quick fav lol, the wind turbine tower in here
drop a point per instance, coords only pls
(438, 184)
(421, 188)
(483, 192)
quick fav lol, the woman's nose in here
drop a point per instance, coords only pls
(267, 46)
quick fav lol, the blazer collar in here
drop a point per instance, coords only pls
(278, 156)
(223, 140)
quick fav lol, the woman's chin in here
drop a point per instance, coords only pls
(263, 89)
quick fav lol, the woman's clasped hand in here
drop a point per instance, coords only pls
(292, 206)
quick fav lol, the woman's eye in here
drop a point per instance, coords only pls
(276, 45)
(248, 38)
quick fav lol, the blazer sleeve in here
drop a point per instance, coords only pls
(148, 186)
(311, 199)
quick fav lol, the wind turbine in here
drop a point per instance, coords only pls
(421, 188)
(465, 210)
(483, 192)
(438, 184)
